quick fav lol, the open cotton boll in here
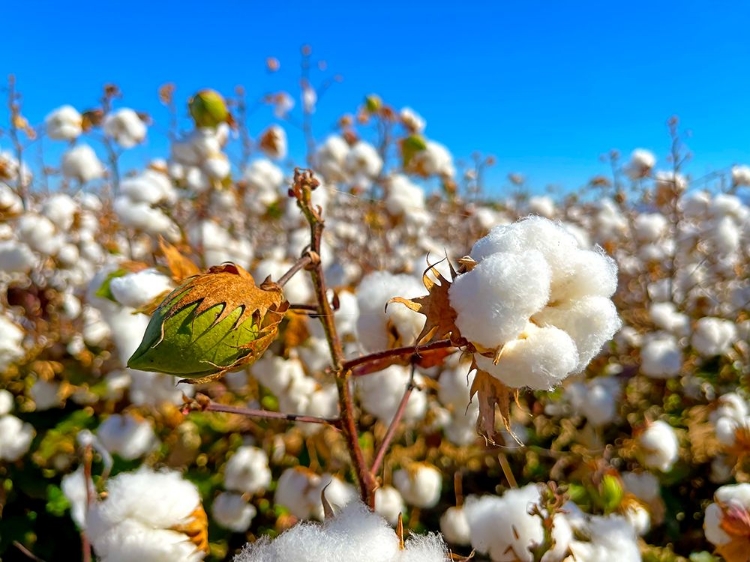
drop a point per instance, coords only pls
(661, 357)
(595, 399)
(140, 514)
(403, 196)
(741, 175)
(389, 504)
(589, 321)
(127, 436)
(10, 202)
(434, 160)
(731, 503)
(11, 342)
(247, 471)
(292, 488)
(125, 127)
(337, 493)
(154, 389)
(46, 395)
(539, 359)
(6, 402)
(64, 123)
(363, 159)
(217, 167)
(330, 158)
(273, 142)
(142, 216)
(150, 186)
(494, 300)
(16, 257)
(233, 512)
(650, 227)
(541, 205)
(39, 233)
(61, 209)
(503, 528)
(376, 326)
(665, 316)
(455, 526)
(420, 484)
(713, 336)
(659, 446)
(611, 538)
(412, 120)
(80, 163)
(641, 163)
(380, 394)
(15, 438)
(139, 289)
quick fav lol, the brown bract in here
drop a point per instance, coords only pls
(491, 392)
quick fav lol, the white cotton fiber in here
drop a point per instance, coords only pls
(589, 321)
(16, 256)
(659, 446)
(232, 511)
(389, 503)
(15, 437)
(540, 358)
(127, 436)
(455, 526)
(81, 164)
(139, 289)
(495, 299)
(587, 273)
(247, 471)
(661, 357)
(713, 336)
(420, 485)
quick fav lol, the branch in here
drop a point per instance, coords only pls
(409, 350)
(394, 424)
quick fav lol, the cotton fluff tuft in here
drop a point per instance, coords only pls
(11, 340)
(713, 336)
(375, 325)
(81, 164)
(64, 123)
(420, 485)
(731, 502)
(659, 446)
(137, 519)
(126, 436)
(661, 357)
(247, 471)
(353, 534)
(233, 512)
(15, 438)
(538, 299)
(125, 127)
(139, 289)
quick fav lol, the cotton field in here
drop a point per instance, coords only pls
(369, 355)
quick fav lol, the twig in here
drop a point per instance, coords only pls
(395, 352)
(394, 424)
(204, 404)
(27, 552)
(300, 264)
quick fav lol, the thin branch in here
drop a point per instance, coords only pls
(394, 424)
(27, 552)
(300, 264)
(409, 350)
(204, 404)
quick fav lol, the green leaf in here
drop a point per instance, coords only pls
(105, 291)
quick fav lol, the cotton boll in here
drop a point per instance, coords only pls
(143, 217)
(611, 538)
(150, 187)
(247, 471)
(596, 399)
(659, 446)
(540, 358)
(11, 343)
(154, 388)
(541, 205)
(641, 163)
(46, 395)
(661, 357)
(81, 164)
(330, 159)
(217, 167)
(389, 504)
(403, 196)
(6, 402)
(64, 123)
(454, 386)
(665, 316)
(39, 233)
(376, 327)
(125, 127)
(233, 512)
(502, 527)
(643, 485)
(412, 120)
(127, 436)
(650, 227)
(455, 526)
(434, 160)
(420, 485)
(380, 394)
(494, 300)
(139, 289)
(362, 160)
(10, 203)
(292, 488)
(273, 142)
(61, 209)
(15, 438)
(16, 257)
(713, 336)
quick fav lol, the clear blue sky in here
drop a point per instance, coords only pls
(544, 86)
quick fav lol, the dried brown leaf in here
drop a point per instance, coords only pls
(491, 393)
(180, 266)
(440, 318)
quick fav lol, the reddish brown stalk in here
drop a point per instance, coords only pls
(304, 183)
(413, 351)
(394, 424)
(267, 414)
(299, 265)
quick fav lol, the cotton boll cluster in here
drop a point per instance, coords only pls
(264, 181)
(125, 127)
(538, 297)
(81, 164)
(148, 515)
(139, 206)
(198, 161)
(64, 123)
(355, 533)
(659, 446)
(378, 328)
(434, 160)
(595, 399)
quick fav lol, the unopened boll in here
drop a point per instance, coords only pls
(535, 302)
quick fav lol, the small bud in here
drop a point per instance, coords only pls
(611, 492)
(211, 324)
(208, 109)
(373, 103)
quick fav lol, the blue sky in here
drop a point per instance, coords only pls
(546, 87)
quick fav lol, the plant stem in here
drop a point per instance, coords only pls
(394, 424)
(396, 352)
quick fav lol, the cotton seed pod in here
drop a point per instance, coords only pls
(213, 323)
(208, 109)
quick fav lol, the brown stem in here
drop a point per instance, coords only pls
(412, 350)
(203, 404)
(304, 183)
(300, 264)
(394, 424)
(26, 552)
(15, 116)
